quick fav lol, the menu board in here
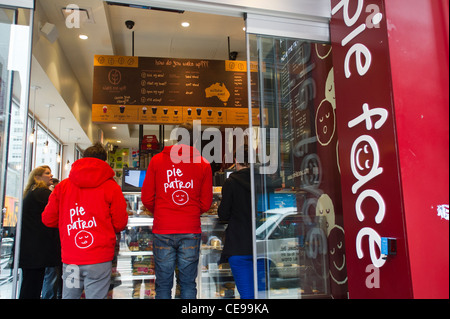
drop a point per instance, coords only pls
(144, 90)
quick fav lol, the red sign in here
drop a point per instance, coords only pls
(149, 142)
(368, 155)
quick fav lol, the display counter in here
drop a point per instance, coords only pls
(133, 275)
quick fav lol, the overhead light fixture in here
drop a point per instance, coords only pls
(114, 127)
(67, 166)
(59, 158)
(32, 135)
(119, 142)
(185, 24)
(48, 124)
(83, 37)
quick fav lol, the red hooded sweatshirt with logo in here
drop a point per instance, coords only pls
(177, 189)
(89, 209)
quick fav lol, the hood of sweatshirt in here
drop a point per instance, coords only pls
(182, 153)
(242, 177)
(90, 172)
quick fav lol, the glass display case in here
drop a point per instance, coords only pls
(133, 275)
(215, 279)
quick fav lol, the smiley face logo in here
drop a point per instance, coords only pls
(180, 197)
(84, 239)
(323, 50)
(365, 160)
(338, 269)
(325, 123)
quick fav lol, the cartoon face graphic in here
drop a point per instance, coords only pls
(336, 249)
(330, 94)
(325, 123)
(365, 160)
(84, 239)
(323, 50)
(325, 208)
(180, 197)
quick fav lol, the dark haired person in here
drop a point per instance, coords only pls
(89, 209)
(235, 208)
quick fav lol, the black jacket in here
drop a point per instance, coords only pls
(235, 208)
(39, 244)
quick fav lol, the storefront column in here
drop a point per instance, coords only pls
(419, 46)
(391, 74)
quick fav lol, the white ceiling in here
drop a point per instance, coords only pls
(157, 34)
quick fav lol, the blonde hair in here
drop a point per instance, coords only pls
(33, 183)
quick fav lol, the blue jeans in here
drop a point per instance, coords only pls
(242, 269)
(173, 250)
(49, 289)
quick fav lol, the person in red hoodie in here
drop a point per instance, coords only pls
(89, 209)
(177, 188)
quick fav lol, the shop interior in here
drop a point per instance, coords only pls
(60, 122)
(156, 32)
(292, 228)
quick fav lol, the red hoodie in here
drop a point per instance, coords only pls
(177, 189)
(89, 209)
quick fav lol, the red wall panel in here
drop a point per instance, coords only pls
(419, 46)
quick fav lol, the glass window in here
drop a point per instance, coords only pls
(15, 40)
(299, 224)
(46, 150)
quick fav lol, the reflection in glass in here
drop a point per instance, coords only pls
(299, 223)
(15, 52)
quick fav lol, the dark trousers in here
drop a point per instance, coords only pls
(32, 280)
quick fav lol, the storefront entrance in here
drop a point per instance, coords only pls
(15, 59)
(298, 227)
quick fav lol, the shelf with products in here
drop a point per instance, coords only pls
(133, 267)
(133, 275)
(216, 279)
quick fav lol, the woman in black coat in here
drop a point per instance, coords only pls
(235, 208)
(39, 245)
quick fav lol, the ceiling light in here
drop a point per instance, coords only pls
(114, 127)
(185, 24)
(119, 141)
(83, 36)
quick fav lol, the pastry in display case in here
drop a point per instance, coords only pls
(133, 275)
(216, 280)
